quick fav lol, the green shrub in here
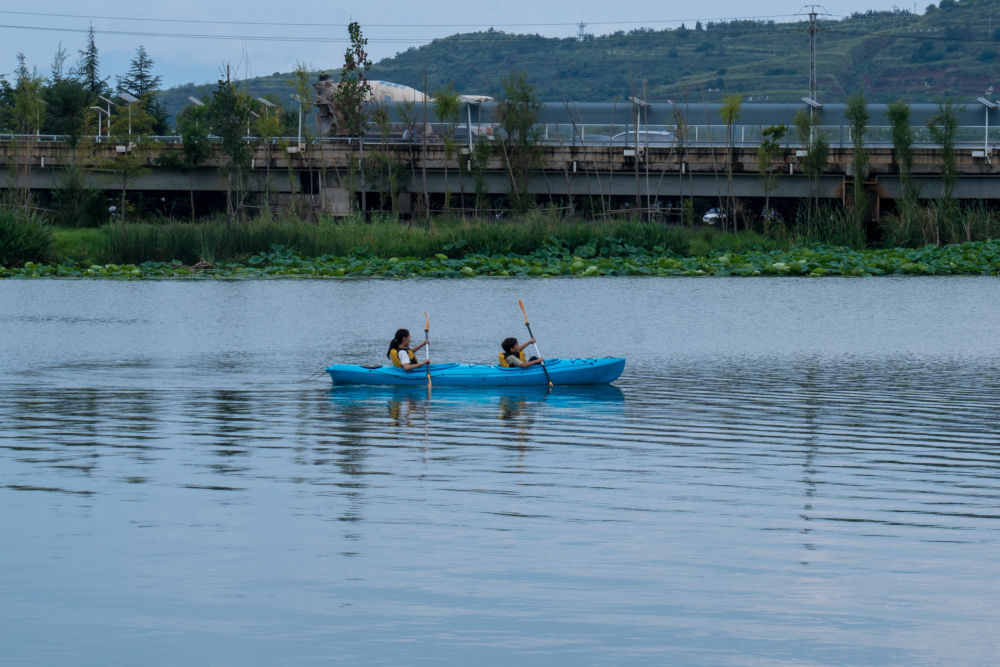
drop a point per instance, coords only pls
(24, 237)
(79, 246)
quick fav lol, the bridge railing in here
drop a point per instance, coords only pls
(612, 135)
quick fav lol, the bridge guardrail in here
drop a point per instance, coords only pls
(838, 136)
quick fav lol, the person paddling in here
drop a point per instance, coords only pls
(513, 353)
(400, 353)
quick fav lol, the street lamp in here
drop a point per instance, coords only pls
(107, 132)
(299, 100)
(986, 140)
(268, 104)
(99, 111)
(131, 99)
(814, 106)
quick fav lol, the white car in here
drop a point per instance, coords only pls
(714, 215)
(646, 138)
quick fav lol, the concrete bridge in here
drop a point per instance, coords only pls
(327, 174)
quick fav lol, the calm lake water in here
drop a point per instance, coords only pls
(789, 471)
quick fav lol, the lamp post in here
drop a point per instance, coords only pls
(131, 99)
(107, 132)
(198, 103)
(99, 111)
(988, 105)
(267, 103)
(299, 100)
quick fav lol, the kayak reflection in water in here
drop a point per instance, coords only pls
(513, 353)
(400, 353)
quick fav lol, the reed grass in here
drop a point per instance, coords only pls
(939, 223)
(220, 240)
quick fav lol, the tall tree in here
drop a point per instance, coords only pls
(943, 127)
(355, 88)
(517, 114)
(58, 67)
(767, 155)
(229, 109)
(140, 82)
(730, 112)
(89, 68)
(448, 108)
(66, 112)
(902, 145)
(857, 115)
(21, 72)
(27, 116)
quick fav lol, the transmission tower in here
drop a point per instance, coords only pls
(583, 31)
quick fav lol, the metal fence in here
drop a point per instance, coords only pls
(569, 134)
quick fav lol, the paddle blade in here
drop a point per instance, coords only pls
(427, 323)
(521, 304)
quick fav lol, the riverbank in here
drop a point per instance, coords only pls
(540, 245)
(558, 260)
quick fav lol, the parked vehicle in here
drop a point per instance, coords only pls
(645, 138)
(714, 215)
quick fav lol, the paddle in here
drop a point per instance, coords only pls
(427, 347)
(531, 335)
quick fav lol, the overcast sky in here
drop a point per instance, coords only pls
(191, 41)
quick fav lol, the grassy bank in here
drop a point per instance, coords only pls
(219, 241)
(538, 245)
(380, 238)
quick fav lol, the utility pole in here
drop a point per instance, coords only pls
(813, 99)
(812, 52)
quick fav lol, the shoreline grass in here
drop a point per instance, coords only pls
(539, 244)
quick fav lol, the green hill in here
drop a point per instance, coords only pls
(952, 50)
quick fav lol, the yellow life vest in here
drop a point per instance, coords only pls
(503, 358)
(394, 357)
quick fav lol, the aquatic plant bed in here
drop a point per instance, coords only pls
(975, 258)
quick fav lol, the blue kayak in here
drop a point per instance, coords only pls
(561, 371)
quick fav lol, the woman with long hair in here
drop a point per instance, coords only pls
(400, 353)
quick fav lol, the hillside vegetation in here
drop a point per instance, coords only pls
(952, 49)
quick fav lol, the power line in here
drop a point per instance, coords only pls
(387, 25)
(743, 30)
(326, 39)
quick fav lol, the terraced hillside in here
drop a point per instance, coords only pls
(952, 49)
